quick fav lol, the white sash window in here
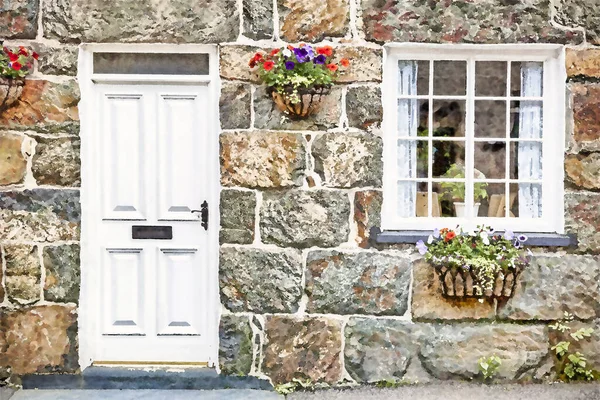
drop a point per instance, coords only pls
(474, 134)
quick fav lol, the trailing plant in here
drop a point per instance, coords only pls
(489, 366)
(294, 385)
(482, 251)
(16, 63)
(456, 190)
(573, 366)
(289, 69)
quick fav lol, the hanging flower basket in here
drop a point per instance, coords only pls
(298, 77)
(301, 103)
(10, 91)
(462, 283)
(476, 264)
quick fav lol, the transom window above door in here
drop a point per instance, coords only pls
(474, 135)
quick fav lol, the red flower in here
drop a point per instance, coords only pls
(325, 50)
(449, 236)
(252, 63)
(12, 56)
(302, 44)
(35, 55)
(258, 57)
(332, 67)
(23, 51)
(16, 66)
(344, 62)
(290, 47)
(268, 65)
(274, 51)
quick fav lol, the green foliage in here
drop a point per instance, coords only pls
(16, 63)
(391, 383)
(573, 366)
(482, 252)
(456, 190)
(294, 385)
(489, 366)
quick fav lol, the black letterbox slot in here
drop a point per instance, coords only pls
(152, 232)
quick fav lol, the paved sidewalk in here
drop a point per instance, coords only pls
(229, 394)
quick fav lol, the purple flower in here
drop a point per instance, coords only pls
(289, 65)
(436, 233)
(301, 54)
(320, 59)
(508, 235)
(310, 51)
(421, 247)
(522, 238)
(517, 244)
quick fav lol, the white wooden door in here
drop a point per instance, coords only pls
(155, 293)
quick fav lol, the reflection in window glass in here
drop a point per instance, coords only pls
(151, 63)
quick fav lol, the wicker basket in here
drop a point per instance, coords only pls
(457, 283)
(310, 101)
(10, 91)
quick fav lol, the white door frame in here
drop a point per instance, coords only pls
(90, 201)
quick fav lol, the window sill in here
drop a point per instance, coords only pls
(533, 239)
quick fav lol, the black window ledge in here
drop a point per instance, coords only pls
(533, 239)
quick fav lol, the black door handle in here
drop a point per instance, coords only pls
(203, 214)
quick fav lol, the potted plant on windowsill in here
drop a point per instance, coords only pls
(15, 65)
(298, 77)
(476, 264)
(456, 190)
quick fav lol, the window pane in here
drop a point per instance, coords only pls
(422, 159)
(491, 199)
(452, 198)
(447, 154)
(490, 119)
(410, 196)
(407, 159)
(448, 117)
(450, 78)
(529, 121)
(490, 78)
(151, 63)
(526, 79)
(526, 160)
(529, 200)
(490, 159)
(409, 115)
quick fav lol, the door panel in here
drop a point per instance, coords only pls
(154, 305)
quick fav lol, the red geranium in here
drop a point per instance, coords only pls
(344, 62)
(13, 57)
(16, 66)
(35, 55)
(325, 50)
(332, 67)
(23, 51)
(449, 236)
(268, 65)
(274, 52)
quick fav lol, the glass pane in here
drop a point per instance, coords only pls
(151, 63)
(448, 117)
(491, 199)
(528, 200)
(422, 159)
(450, 78)
(490, 119)
(412, 160)
(526, 79)
(526, 160)
(423, 78)
(448, 158)
(452, 198)
(528, 119)
(408, 117)
(490, 159)
(410, 197)
(490, 78)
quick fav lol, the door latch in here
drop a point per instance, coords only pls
(203, 214)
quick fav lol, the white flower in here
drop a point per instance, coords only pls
(484, 238)
(287, 53)
(430, 239)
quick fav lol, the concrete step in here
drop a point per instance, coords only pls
(233, 394)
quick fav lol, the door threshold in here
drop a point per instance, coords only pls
(150, 364)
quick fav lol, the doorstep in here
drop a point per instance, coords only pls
(164, 378)
(233, 394)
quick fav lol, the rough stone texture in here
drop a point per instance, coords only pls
(234, 106)
(305, 218)
(18, 19)
(552, 285)
(56, 162)
(357, 283)
(365, 64)
(348, 159)
(584, 62)
(312, 21)
(235, 345)
(581, 218)
(13, 157)
(233, 63)
(57, 60)
(268, 116)
(41, 215)
(23, 273)
(381, 349)
(428, 303)
(45, 106)
(367, 214)
(304, 348)
(582, 170)
(237, 216)
(585, 100)
(260, 281)
(486, 21)
(39, 339)
(453, 351)
(62, 273)
(363, 106)
(580, 14)
(258, 19)
(262, 159)
(175, 21)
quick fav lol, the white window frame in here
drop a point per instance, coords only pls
(553, 134)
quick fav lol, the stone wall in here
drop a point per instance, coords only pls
(304, 291)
